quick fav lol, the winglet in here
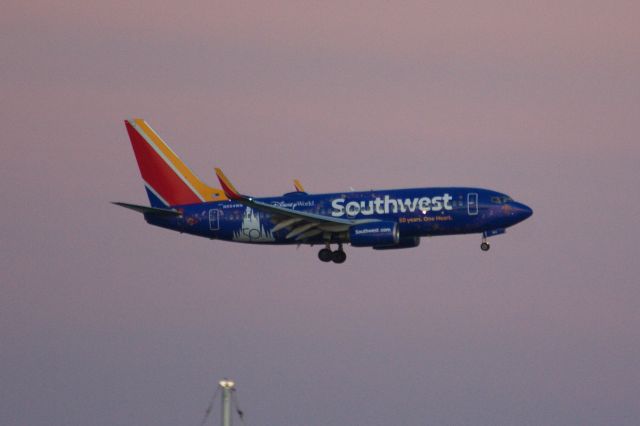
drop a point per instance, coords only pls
(298, 185)
(228, 188)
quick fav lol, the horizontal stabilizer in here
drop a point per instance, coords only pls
(151, 210)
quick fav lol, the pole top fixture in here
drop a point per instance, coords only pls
(226, 384)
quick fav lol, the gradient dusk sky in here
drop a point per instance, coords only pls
(105, 320)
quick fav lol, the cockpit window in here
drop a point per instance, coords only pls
(501, 200)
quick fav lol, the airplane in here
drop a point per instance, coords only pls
(382, 219)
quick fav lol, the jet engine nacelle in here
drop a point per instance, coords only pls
(405, 242)
(383, 233)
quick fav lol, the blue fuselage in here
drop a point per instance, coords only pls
(418, 212)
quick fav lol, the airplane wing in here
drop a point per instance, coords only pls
(303, 224)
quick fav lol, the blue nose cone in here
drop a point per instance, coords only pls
(521, 211)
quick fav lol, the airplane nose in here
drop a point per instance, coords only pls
(522, 211)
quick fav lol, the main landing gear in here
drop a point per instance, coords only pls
(337, 256)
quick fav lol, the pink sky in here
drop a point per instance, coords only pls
(105, 320)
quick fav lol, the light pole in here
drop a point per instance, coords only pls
(227, 387)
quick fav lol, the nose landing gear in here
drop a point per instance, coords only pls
(485, 246)
(337, 256)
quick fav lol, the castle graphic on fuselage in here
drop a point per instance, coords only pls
(252, 229)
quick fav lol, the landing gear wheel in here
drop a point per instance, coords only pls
(485, 246)
(338, 256)
(325, 255)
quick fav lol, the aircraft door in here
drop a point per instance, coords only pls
(472, 203)
(214, 219)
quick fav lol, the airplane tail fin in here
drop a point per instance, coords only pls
(167, 179)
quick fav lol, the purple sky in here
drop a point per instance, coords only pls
(105, 320)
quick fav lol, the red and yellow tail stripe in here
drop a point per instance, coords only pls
(164, 173)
